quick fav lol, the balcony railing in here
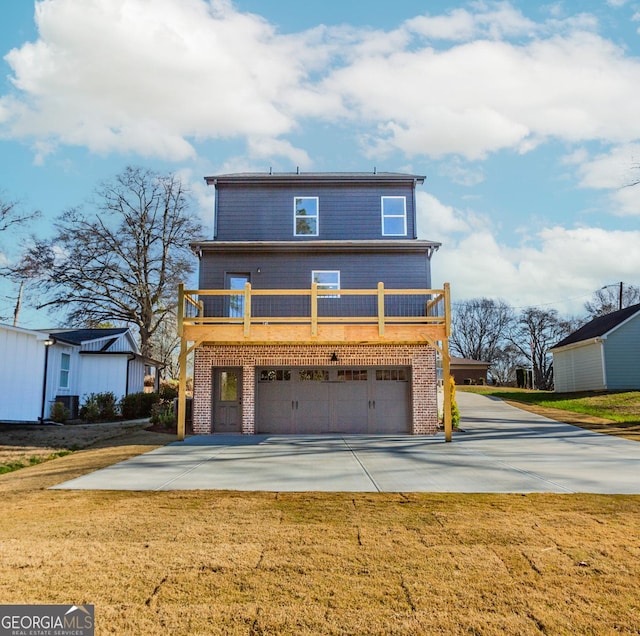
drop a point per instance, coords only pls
(315, 314)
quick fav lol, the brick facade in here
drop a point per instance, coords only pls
(420, 358)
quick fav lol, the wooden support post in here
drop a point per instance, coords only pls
(446, 369)
(381, 309)
(180, 308)
(446, 407)
(314, 309)
(182, 362)
(247, 309)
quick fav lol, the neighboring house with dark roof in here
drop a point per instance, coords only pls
(468, 371)
(604, 354)
(43, 366)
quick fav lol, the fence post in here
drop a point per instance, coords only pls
(381, 309)
(314, 309)
(247, 309)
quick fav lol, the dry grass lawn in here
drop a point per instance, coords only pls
(260, 563)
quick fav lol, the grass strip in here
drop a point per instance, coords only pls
(617, 406)
(9, 467)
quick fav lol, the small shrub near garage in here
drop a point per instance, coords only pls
(138, 405)
(59, 413)
(99, 407)
(162, 414)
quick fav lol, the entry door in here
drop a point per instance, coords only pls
(227, 399)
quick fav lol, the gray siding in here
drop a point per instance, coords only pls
(265, 213)
(293, 271)
(622, 356)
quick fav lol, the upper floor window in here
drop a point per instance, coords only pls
(326, 279)
(65, 368)
(394, 216)
(305, 216)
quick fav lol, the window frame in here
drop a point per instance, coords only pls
(67, 372)
(402, 216)
(315, 217)
(325, 286)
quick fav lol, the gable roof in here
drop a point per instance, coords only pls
(467, 362)
(78, 336)
(599, 326)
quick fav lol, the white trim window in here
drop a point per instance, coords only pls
(394, 216)
(326, 279)
(65, 370)
(306, 216)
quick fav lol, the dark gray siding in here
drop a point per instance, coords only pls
(265, 213)
(293, 271)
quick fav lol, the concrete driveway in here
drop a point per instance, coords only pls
(502, 449)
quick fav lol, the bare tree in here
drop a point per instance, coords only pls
(534, 333)
(165, 346)
(11, 217)
(123, 262)
(505, 364)
(611, 298)
(479, 328)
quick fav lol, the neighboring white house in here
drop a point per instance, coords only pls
(77, 362)
(22, 354)
(604, 354)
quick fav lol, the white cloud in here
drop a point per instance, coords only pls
(613, 172)
(436, 220)
(146, 77)
(479, 97)
(494, 20)
(156, 78)
(557, 267)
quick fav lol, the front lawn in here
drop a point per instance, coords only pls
(207, 562)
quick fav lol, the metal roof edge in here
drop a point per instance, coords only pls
(578, 344)
(284, 246)
(313, 177)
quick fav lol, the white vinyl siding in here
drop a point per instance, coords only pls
(394, 216)
(21, 374)
(579, 369)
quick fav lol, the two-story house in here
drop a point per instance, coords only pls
(314, 312)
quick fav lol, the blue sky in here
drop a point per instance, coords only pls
(523, 116)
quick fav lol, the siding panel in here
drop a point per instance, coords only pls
(263, 213)
(21, 375)
(579, 369)
(293, 271)
(622, 354)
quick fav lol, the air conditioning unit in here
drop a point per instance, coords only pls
(71, 402)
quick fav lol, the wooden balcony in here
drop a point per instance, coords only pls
(314, 316)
